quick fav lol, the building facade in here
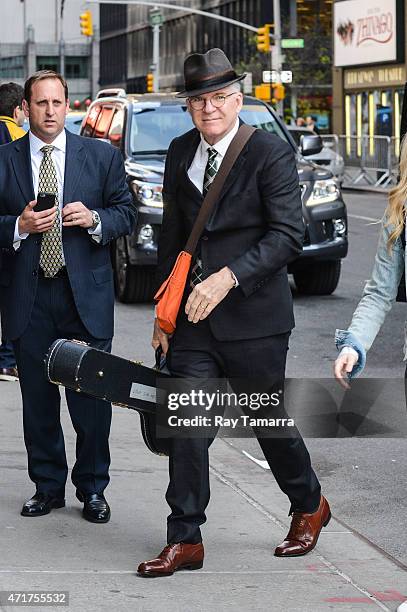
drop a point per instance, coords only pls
(127, 42)
(126, 45)
(30, 33)
(369, 72)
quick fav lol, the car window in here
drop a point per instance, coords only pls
(259, 116)
(153, 127)
(103, 123)
(116, 128)
(91, 121)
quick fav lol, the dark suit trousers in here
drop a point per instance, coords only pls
(194, 352)
(7, 359)
(55, 316)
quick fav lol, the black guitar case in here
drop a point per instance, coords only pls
(78, 366)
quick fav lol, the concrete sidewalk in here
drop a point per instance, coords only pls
(247, 518)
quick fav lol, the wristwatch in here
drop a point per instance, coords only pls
(95, 220)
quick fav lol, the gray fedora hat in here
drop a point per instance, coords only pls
(206, 72)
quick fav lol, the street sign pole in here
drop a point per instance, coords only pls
(61, 42)
(156, 19)
(156, 57)
(276, 54)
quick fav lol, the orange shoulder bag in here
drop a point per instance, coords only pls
(168, 297)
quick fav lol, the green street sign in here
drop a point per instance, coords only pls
(292, 43)
(156, 19)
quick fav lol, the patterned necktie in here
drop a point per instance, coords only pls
(210, 173)
(51, 259)
(210, 170)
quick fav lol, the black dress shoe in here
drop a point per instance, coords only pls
(41, 503)
(95, 507)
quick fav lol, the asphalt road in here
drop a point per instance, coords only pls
(364, 479)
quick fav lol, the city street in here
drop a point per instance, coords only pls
(97, 102)
(360, 562)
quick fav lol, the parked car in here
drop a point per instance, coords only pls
(142, 126)
(327, 157)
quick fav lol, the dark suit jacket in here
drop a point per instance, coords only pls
(256, 229)
(94, 174)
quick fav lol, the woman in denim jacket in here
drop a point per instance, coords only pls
(381, 290)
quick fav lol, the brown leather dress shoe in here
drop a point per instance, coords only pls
(304, 531)
(174, 557)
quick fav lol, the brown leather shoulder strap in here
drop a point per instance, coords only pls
(242, 136)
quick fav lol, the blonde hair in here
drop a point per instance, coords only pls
(396, 208)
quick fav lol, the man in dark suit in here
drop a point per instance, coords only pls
(237, 318)
(56, 281)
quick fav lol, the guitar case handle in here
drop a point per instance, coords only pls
(160, 361)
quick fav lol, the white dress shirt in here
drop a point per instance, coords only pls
(196, 171)
(58, 157)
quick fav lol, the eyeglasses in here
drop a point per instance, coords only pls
(218, 100)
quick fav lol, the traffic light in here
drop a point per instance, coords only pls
(86, 23)
(263, 38)
(262, 91)
(150, 82)
(278, 91)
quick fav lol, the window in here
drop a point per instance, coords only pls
(154, 126)
(91, 121)
(259, 116)
(12, 67)
(77, 67)
(48, 62)
(103, 122)
(116, 128)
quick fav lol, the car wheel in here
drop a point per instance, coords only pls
(319, 278)
(132, 283)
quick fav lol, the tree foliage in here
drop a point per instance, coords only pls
(311, 65)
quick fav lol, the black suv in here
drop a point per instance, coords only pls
(142, 126)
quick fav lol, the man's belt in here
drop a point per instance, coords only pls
(62, 273)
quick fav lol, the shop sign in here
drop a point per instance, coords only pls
(378, 76)
(365, 32)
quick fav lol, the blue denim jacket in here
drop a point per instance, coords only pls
(379, 295)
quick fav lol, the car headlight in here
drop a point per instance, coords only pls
(323, 191)
(149, 194)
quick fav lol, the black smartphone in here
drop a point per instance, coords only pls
(44, 201)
